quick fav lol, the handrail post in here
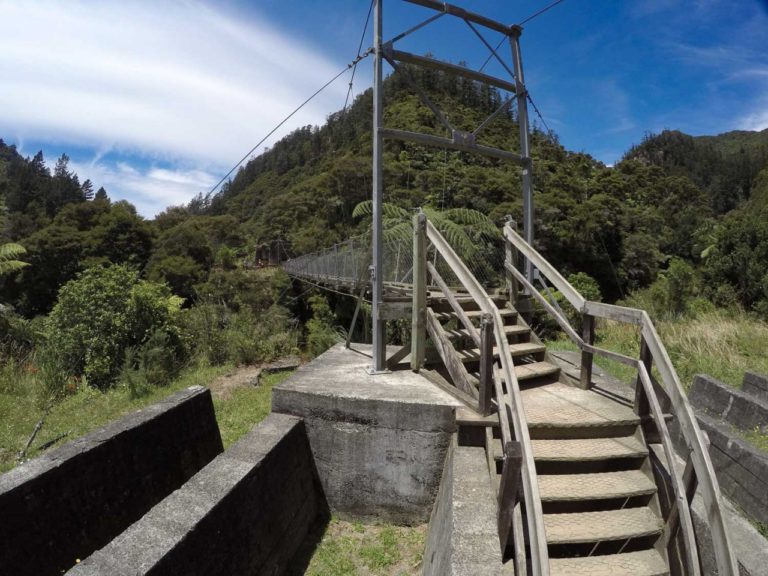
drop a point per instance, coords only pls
(511, 257)
(642, 407)
(588, 335)
(419, 312)
(486, 363)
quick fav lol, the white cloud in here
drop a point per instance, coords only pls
(756, 120)
(151, 190)
(178, 81)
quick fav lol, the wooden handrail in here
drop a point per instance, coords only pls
(565, 288)
(699, 455)
(460, 313)
(511, 400)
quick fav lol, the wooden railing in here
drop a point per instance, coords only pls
(515, 439)
(649, 396)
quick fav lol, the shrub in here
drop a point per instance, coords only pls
(101, 314)
(321, 333)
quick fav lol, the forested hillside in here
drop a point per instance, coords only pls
(680, 222)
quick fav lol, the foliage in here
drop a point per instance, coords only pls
(9, 254)
(321, 332)
(102, 313)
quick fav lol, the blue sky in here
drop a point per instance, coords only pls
(157, 101)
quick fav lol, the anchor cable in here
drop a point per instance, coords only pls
(284, 120)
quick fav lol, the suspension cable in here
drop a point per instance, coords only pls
(284, 120)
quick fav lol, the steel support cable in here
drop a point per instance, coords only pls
(284, 120)
(359, 48)
(528, 19)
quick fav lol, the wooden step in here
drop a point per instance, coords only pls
(506, 313)
(536, 370)
(583, 449)
(511, 330)
(521, 349)
(558, 410)
(588, 449)
(587, 527)
(598, 486)
(643, 563)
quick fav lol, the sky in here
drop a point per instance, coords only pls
(157, 101)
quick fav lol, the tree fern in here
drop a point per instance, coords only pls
(8, 258)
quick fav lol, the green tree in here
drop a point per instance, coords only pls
(101, 314)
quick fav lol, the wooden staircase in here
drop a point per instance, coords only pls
(597, 488)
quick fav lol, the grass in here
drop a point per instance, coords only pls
(721, 344)
(351, 549)
(22, 405)
(245, 407)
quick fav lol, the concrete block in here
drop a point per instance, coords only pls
(67, 503)
(756, 385)
(379, 442)
(247, 512)
(742, 469)
(734, 406)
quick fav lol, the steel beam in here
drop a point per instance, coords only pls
(455, 143)
(426, 62)
(525, 146)
(464, 15)
(377, 268)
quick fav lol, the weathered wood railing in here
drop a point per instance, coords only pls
(503, 382)
(649, 397)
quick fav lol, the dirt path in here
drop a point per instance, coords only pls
(222, 387)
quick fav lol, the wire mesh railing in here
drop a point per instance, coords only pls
(347, 264)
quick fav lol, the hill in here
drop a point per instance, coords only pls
(725, 166)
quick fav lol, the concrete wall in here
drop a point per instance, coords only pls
(756, 385)
(245, 513)
(742, 469)
(73, 500)
(379, 441)
(437, 554)
(738, 408)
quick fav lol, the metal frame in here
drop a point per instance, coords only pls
(456, 140)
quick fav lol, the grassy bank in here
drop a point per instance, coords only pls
(85, 409)
(721, 344)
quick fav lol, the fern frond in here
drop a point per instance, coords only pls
(390, 211)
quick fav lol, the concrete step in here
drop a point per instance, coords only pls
(522, 349)
(588, 527)
(597, 486)
(643, 563)
(583, 450)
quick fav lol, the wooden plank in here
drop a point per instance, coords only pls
(588, 335)
(613, 312)
(457, 309)
(508, 491)
(395, 359)
(449, 357)
(437, 379)
(708, 485)
(682, 510)
(567, 328)
(486, 365)
(419, 307)
(565, 288)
